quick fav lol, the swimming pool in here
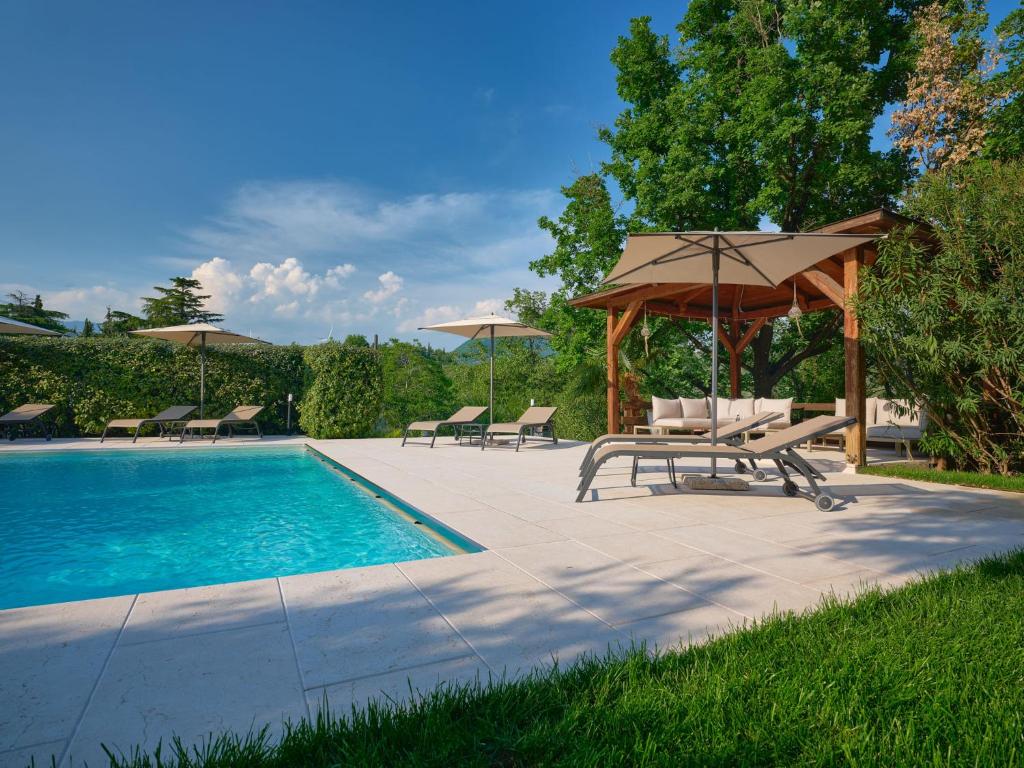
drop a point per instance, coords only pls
(84, 524)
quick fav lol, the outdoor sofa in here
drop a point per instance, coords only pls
(686, 414)
(535, 420)
(457, 421)
(779, 447)
(27, 419)
(893, 422)
(168, 421)
(242, 416)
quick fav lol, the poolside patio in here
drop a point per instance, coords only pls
(646, 564)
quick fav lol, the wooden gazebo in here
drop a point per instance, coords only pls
(743, 310)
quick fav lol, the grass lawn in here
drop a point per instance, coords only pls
(930, 674)
(971, 479)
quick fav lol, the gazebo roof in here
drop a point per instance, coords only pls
(819, 288)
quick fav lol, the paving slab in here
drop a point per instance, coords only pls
(361, 622)
(608, 588)
(50, 659)
(403, 687)
(177, 612)
(235, 680)
(43, 755)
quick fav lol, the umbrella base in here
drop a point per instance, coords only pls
(700, 483)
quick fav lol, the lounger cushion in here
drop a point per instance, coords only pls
(425, 426)
(665, 408)
(694, 407)
(783, 406)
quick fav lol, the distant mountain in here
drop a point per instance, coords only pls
(468, 351)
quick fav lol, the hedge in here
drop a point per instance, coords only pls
(345, 391)
(93, 380)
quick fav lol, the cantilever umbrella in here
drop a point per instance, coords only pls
(9, 326)
(492, 325)
(738, 258)
(199, 335)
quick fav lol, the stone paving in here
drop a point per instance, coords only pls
(555, 579)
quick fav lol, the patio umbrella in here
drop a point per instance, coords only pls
(9, 326)
(492, 325)
(199, 335)
(737, 258)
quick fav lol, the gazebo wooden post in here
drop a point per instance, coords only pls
(617, 330)
(856, 383)
(613, 375)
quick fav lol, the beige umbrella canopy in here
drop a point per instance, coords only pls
(737, 258)
(199, 335)
(491, 325)
(10, 326)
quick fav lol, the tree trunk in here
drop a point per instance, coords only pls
(762, 349)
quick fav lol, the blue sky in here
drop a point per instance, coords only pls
(368, 166)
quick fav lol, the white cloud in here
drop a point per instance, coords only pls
(336, 275)
(390, 284)
(288, 277)
(80, 303)
(445, 313)
(220, 281)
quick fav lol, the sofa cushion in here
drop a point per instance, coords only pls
(666, 408)
(681, 423)
(694, 407)
(899, 413)
(735, 409)
(893, 432)
(870, 409)
(783, 406)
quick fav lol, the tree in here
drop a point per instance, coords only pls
(31, 310)
(117, 323)
(179, 304)
(588, 241)
(415, 386)
(943, 322)
(764, 110)
(88, 329)
(1006, 128)
(355, 340)
(951, 97)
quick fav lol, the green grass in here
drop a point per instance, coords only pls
(972, 479)
(929, 674)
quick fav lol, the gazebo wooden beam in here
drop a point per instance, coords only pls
(617, 330)
(825, 284)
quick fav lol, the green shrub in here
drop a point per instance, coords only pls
(581, 416)
(345, 391)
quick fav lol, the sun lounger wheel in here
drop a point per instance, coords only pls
(790, 488)
(824, 502)
(760, 475)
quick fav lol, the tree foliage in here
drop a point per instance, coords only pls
(178, 304)
(1006, 126)
(945, 324)
(951, 96)
(21, 306)
(415, 387)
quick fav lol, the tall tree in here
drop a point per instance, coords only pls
(1006, 128)
(951, 97)
(21, 306)
(764, 110)
(178, 304)
(118, 323)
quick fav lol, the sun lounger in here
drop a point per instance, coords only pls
(462, 417)
(243, 415)
(779, 447)
(22, 420)
(168, 420)
(727, 433)
(533, 419)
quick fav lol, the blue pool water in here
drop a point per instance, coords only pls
(76, 525)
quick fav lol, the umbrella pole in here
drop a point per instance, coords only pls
(715, 256)
(202, 373)
(491, 409)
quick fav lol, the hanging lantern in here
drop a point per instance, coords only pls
(795, 313)
(645, 332)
